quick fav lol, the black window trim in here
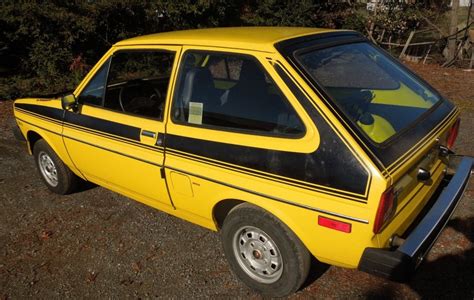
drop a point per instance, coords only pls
(344, 38)
(173, 120)
(353, 123)
(109, 62)
(382, 157)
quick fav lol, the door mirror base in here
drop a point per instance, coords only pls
(69, 102)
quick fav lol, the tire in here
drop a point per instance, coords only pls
(263, 252)
(55, 174)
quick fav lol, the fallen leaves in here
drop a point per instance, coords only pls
(136, 267)
(45, 234)
(91, 277)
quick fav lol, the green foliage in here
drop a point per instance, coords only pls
(397, 19)
(305, 13)
(48, 46)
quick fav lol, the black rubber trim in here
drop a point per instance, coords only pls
(383, 155)
(425, 234)
(393, 265)
(327, 39)
(401, 263)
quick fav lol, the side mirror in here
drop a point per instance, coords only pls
(69, 102)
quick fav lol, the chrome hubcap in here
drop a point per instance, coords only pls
(257, 254)
(48, 169)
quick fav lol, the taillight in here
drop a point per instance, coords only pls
(386, 209)
(453, 134)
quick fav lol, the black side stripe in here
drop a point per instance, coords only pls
(49, 112)
(126, 131)
(99, 133)
(216, 181)
(113, 151)
(118, 129)
(289, 181)
(36, 115)
(115, 138)
(45, 129)
(299, 169)
(90, 144)
(293, 203)
(290, 165)
(337, 154)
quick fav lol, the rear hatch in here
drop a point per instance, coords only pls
(397, 117)
(418, 176)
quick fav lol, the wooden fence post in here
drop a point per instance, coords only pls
(407, 44)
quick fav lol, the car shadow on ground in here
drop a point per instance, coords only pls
(449, 276)
(85, 186)
(317, 270)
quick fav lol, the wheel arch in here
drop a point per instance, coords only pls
(222, 209)
(33, 136)
(285, 213)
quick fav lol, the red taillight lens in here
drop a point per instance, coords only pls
(386, 209)
(334, 224)
(453, 134)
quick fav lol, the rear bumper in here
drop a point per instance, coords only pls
(400, 263)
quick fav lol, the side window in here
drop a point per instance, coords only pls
(138, 82)
(93, 93)
(234, 92)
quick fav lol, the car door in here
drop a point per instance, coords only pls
(229, 126)
(115, 139)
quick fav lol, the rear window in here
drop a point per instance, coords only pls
(371, 90)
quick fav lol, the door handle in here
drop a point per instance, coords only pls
(148, 133)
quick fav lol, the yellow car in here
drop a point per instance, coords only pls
(292, 142)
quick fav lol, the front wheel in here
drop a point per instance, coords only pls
(263, 252)
(54, 173)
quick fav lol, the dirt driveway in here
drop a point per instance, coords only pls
(98, 244)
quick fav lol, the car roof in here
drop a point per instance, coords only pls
(250, 38)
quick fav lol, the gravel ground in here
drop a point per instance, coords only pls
(97, 243)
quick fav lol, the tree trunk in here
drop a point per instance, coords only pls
(453, 28)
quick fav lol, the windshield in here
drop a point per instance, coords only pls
(370, 89)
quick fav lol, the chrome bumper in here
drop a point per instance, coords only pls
(400, 263)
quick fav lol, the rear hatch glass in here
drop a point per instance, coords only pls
(386, 105)
(381, 98)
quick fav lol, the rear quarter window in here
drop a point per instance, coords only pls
(232, 92)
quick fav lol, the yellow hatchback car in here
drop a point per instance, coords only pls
(292, 142)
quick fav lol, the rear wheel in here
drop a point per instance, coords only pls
(263, 252)
(54, 173)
